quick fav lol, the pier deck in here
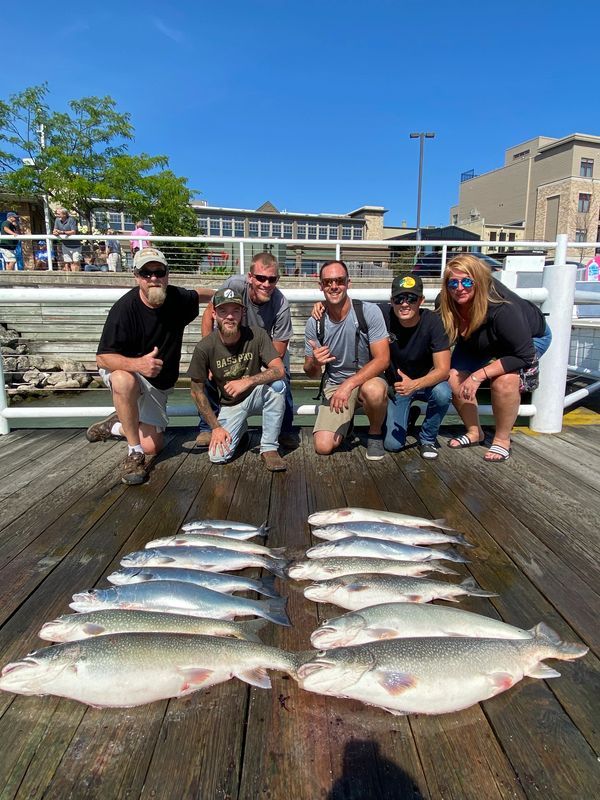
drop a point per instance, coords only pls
(66, 520)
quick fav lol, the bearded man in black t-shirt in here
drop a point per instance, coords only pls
(420, 365)
(138, 357)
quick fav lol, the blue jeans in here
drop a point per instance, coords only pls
(212, 394)
(437, 398)
(268, 399)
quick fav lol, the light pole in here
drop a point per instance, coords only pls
(421, 137)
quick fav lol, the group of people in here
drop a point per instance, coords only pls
(379, 358)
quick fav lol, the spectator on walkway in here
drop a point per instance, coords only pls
(65, 226)
(113, 249)
(8, 246)
(139, 239)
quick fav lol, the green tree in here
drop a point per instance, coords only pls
(80, 160)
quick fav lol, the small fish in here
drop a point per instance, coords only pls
(216, 581)
(228, 533)
(335, 515)
(206, 540)
(129, 669)
(381, 548)
(436, 675)
(72, 627)
(359, 591)
(226, 525)
(180, 598)
(324, 568)
(213, 559)
(407, 621)
(385, 530)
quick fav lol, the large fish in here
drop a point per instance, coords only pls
(212, 559)
(359, 591)
(180, 598)
(409, 620)
(72, 627)
(226, 525)
(385, 530)
(334, 515)
(381, 548)
(218, 581)
(324, 568)
(434, 675)
(129, 669)
(206, 540)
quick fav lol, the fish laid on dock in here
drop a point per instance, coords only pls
(130, 669)
(72, 627)
(217, 581)
(213, 559)
(324, 568)
(207, 540)
(359, 591)
(409, 620)
(180, 598)
(381, 548)
(433, 675)
(334, 515)
(227, 525)
(386, 530)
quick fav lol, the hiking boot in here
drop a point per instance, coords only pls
(289, 440)
(203, 439)
(101, 431)
(135, 469)
(375, 449)
(413, 415)
(428, 450)
(273, 461)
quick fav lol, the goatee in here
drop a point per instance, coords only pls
(228, 334)
(157, 295)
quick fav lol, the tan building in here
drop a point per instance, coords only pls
(545, 187)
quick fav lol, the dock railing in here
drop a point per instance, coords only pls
(556, 297)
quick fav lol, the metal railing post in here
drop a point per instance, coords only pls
(4, 428)
(549, 397)
(444, 259)
(241, 257)
(338, 252)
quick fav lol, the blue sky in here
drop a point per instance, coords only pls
(310, 104)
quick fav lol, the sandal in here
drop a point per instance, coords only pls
(463, 441)
(499, 451)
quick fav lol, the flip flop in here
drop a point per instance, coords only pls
(463, 441)
(498, 450)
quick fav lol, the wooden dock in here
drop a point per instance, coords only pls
(66, 520)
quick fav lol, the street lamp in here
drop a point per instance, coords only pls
(421, 137)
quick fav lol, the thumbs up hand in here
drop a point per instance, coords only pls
(149, 365)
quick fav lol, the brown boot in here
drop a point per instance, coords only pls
(273, 461)
(101, 431)
(134, 469)
(203, 439)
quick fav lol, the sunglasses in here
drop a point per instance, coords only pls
(341, 281)
(271, 279)
(466, 283)
(148, 273)
(409, 298)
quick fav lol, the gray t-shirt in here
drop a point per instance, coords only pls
(340, 337)
(274, 316)
(70, 226)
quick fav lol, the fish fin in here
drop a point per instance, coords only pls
(564, 650)
(251, 627)
(450, 599)
(266, 586)
(262, 530)
(276, 552)
(274, 610)
(542, 671)
(501, 681)
(395, 683)
(445, 570)
(460, 539)
(440, 523)
(472, 588)
(93, 629)
(194, 677)
(384, 633)
(452, 555)
(256, 677)
(356, 586)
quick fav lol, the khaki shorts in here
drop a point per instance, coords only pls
(328, 420)
(8, 255)
(152, 402)
(70, 255)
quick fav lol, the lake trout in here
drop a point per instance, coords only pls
(212, 559)
(324, 568)
(226, 525)
(206, 540)
(381, 548)
(334, 515)
(385, 530)
(217, 581)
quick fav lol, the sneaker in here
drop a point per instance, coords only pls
(203, 439)
(428, 450)
(375, 449)
(101, 431)
(413, 415)
(135, 469)
(289, 440)
(273, 461)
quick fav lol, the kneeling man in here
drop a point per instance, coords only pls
(249, 376)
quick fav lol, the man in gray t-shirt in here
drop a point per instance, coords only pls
(353, 361)
(64, 227)
(265, 307)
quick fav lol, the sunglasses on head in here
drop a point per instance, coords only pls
(272, 279)
(148, 273)
(466, 283)
(341, 281)
(408, 297)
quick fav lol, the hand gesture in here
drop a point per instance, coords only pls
(149, 365)
(220, 441)
(237, 387)
(405, 386)
(321, 353)
(318, 310)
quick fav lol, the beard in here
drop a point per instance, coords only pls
(228, 333)
(156, 295)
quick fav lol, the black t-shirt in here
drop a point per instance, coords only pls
(9, 244)
(413, 348)
(132, 329)
(246, 357)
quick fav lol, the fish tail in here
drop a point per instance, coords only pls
(250, 629)
(446, 570)
(277, 566)
(452, 555)
(277, 552)
(262, 529)
(266, 586)
(460, 539)
(565, 651)
(274, 610)
(440, 523)
(472, 588)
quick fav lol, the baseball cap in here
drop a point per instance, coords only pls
(407, 283)
(223, 296)
(146, 255)
(11, 214)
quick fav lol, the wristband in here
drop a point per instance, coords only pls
(474, 379)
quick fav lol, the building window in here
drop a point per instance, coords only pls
(586, 168)
(215, 226)
(357, 232)
(492, 236)
(580, 234)
(265, 229)
(312, 230)
(455, 219)
(522, 154)
(511, 237)
(203, 226)
(253, 228)
(583, 204)
(302, 230)
(227, 226)
(239, 227)
(288, 230)
(346, 231)
(323, 231)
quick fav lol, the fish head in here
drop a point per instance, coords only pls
(163, 541)
(141, 557)
(329, 532)
(300, 571)
(330, 672)
(93, 600)
(37, 672)
(321, 591)
(130, 575)
(321, 550)
(339, 631)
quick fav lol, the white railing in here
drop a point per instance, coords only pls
(556, 298)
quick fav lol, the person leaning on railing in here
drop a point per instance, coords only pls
(499, 337)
